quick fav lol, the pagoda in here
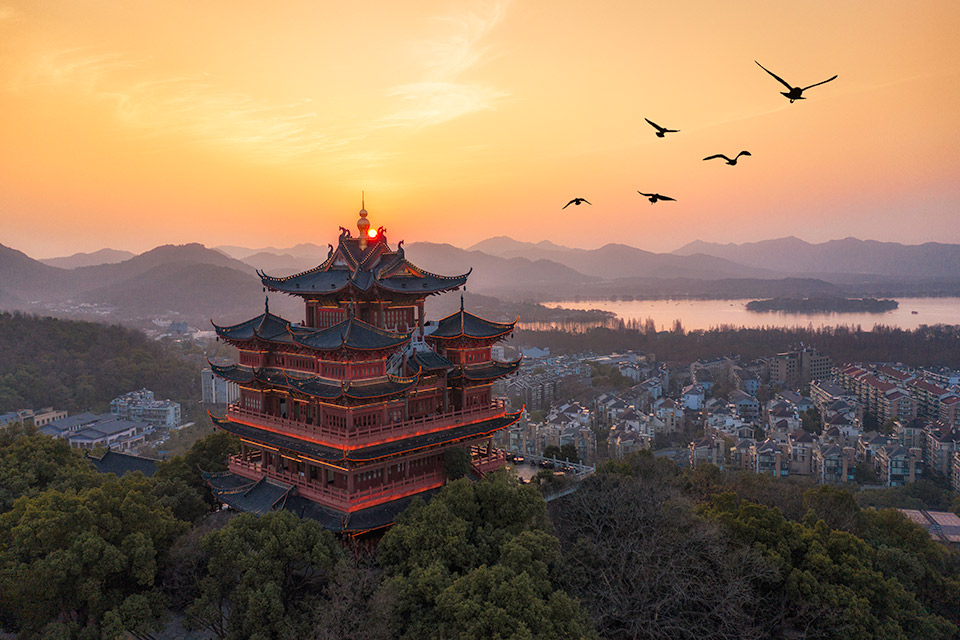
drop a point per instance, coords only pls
(348, 415)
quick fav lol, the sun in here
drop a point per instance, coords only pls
(372, 233)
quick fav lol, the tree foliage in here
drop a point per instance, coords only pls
(262, 576)
(825, 583)
(477, 562)
(644, 564)
(82, 563)
(76, 365)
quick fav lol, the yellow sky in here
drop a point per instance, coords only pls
(133, 124)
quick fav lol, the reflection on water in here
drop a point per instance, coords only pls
(707, 314)
(569, 326)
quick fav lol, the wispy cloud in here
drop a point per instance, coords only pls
(190, 107)
(440, 95)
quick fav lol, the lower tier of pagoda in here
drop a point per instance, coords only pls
(339, 485)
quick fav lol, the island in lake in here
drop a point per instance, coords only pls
(823, 304)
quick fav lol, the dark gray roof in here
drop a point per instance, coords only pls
(266, 326)
(316, 386)
(322, 388)
(487, 371)
(251, 496)
(362, 270)
(431, 361)
(119, 463)
(329, 454)
(71, 422)
(465, 324)
(351, 334)
(233, 372)
(262, 496)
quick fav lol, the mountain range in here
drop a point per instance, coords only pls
(846, 256)
(196, 283)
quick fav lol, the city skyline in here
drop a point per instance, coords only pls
(134, 126)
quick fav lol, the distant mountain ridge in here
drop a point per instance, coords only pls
(845, 256)
(103, 256)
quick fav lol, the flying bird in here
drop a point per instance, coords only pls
(730, 161)
(653, 197)
(661, 131)
(794, 93)
(576, 201)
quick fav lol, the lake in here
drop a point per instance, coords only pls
(705, 314)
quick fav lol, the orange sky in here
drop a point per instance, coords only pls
(133, 124)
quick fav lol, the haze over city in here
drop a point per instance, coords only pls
(137, 124)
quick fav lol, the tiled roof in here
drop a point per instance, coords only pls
(363, 269)
(324, 453)
(119, 463)
(351, 334)
(465, 324)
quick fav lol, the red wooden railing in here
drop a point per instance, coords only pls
(365, 436)
(335, 497)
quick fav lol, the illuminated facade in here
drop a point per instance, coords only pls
(346, 417)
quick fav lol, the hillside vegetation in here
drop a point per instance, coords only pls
(76, 365)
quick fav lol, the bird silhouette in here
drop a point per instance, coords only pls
(653, 197)
(730, 161)
(661, 131)
(576, 201)
(794, 93)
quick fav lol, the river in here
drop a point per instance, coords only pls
(705, 314)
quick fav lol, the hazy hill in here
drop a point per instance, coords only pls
(849, 255)
(23, 278)
(103, 256)
(304, 251)
(491, 273)
(623, 261)
(198, 292)
(183, 254)
(507, 247)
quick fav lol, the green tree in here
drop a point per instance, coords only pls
(456, 463)
(77, 563)
(829, 580)
(263, 576)
(476, 561)
(810, 421)
(31, 462)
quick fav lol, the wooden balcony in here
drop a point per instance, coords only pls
(336, 498)
(352, 438)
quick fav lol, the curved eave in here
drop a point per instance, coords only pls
(496, 329)
(357, 392)
(315, 387)
(397, 285)
(323, 453)
(395, 339)
(488, 372)
(233, 372)
(480, 429)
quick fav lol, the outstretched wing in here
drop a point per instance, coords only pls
(743, 153)
(819, 83)
(568, 204)
(718, 155)
(648, 195)
(667, 198)
(585, 200)
(779, 79)
(654, 125)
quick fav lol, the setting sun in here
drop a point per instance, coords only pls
(372, 233)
